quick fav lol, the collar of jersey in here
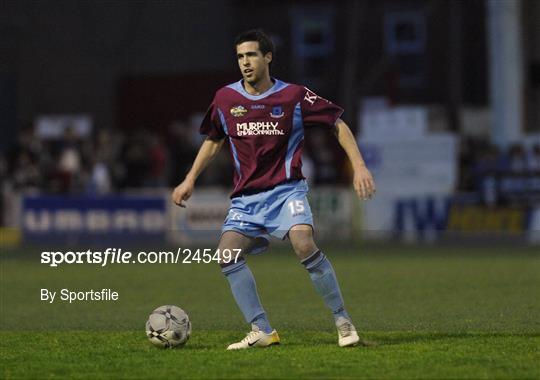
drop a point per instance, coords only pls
(239, 87)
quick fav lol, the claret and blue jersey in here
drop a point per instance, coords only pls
(266, 135)
(266, 132)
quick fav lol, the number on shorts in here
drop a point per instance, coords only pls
(296, 206)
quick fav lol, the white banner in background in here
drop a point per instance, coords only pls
(408, 168)
(201, 220)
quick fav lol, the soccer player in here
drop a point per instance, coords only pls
(264, 121)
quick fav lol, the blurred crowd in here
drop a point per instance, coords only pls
(114, 160)
(108, 160)
(479, 158)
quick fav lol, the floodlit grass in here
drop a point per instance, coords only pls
(434, 312)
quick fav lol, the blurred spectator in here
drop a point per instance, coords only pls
(466, 160)
(26, 174)
(486, 160)
(194, 124)
(108, 147)
(323, 158)
(100, 180)
(534, 158)
(220, 171)
(69, 160)
(3, 169)
(135, 159)
(157, 167)
(26, 142)
(182, 151)
(26, 157)
(517, 158)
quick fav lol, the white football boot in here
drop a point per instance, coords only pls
(347, 335)
(256, 338)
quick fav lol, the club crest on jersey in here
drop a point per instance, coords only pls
(238, 111)
(277, 112)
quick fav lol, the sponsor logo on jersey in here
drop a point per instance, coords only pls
(257, 106)
(277, 112)
(310, 96)
(268, 128)
(238, 111)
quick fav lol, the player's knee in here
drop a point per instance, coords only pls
(231, 247)
(303, 247)
(301, 237)
(228, 253)
(230, 256)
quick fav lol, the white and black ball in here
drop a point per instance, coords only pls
(168, 326)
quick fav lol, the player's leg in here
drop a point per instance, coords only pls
(241, 278)
(324, 279)
(290, 215)
(319, 268)
(244, 290)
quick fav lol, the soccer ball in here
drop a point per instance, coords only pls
(168, 326)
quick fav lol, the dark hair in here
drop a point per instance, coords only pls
(265, 43)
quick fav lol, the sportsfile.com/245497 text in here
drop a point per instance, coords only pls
(119, 256)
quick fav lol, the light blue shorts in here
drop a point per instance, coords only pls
(269, 213)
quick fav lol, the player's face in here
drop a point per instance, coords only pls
(252, 63)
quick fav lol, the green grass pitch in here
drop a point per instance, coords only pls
(435, 312)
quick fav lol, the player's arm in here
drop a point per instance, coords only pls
(208, 150)
(362, 181)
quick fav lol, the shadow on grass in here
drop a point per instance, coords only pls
(372, 339)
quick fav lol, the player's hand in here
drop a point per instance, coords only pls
(182, 192)
(363, 183)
